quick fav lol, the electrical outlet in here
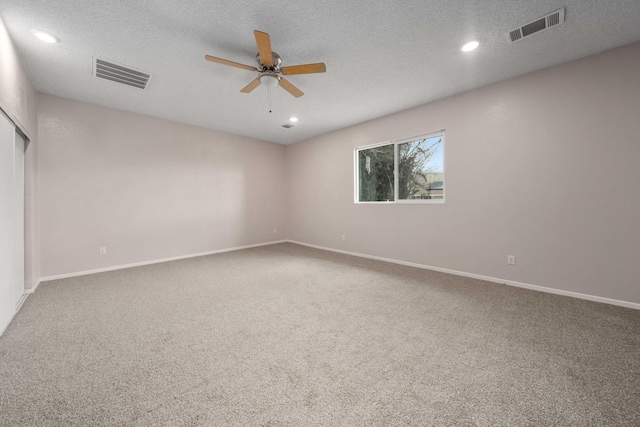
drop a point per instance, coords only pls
(344, 237)
(103, 250)
(275, 230)
(511, 259)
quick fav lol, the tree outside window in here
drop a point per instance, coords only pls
(407, 170)
(421, 169)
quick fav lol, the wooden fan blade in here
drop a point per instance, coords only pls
(251, 86)
(290, 88)
(264, 47)
(231, 63)
(304, 69)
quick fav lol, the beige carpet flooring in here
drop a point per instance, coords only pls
(285, 335)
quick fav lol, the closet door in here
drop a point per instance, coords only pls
(7, 194)
(18, 219)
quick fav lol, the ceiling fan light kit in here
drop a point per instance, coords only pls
(270, 67)
(268, 79)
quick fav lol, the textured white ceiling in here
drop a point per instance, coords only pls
(382, 56)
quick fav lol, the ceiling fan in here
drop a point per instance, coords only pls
(269, 67)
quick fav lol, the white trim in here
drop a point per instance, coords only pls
(416, 201)
(15, 121)
(23, 298)
(604, 300)
(402, 140)
(5, 328)
(33, 288)
(594, 298)
(396, 171)
(21, 301)
(155, 261)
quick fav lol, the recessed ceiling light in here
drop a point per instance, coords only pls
(293, 119)
(470, 46)
(44, 36)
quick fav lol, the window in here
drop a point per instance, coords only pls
(407, 170)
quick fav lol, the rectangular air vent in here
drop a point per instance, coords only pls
(120, 74)
(548, 21)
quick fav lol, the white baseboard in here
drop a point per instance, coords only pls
(155, 261)
(22, 300)
(620, 303)
(18, 306)
(33, 288)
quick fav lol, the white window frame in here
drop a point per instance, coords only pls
(396, 184)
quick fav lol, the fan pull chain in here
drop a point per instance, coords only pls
(269, 98)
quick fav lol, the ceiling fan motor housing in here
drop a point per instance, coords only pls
(276, 63)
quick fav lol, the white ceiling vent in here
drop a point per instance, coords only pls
(120, 74)
(548, 21)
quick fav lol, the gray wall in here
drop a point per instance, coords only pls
(18, 101)
(545, 167)
(148, 188)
